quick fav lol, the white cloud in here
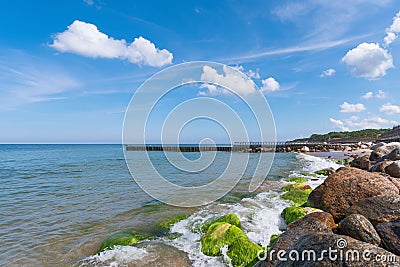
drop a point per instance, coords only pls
(368, 60)
(252, 74)
(230, 79)
(388, 108)
(85, 39)
(270, 85)
(338, 124)
(89, 2)
(393, 31)
(381, 95)
(368, 95)
(346, 107)
(328, 72)
(356, 123)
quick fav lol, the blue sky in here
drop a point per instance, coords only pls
(68, 69)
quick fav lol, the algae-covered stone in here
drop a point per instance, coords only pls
(273, 239)
(293, 213)
(164, 226)
(297, 179)
(126, 238)
(299, 197)
(228, 218)
(323, 172)
(241, 250)
(309, 174)
(296, 186)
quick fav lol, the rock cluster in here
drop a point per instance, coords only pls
(363, 200)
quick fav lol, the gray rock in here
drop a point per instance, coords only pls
(377, 145)
(390, 234)
(379, 209)
(393, 169)
(393, 155)
(381, 151)
(347, 250)
(358, 227)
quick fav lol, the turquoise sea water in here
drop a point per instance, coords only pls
(59, 202)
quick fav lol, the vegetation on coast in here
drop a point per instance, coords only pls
(361, 134)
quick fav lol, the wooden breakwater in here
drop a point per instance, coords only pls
(237, 147)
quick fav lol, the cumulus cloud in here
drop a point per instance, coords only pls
(388, 108)
(346, 107)
(356, 123)
(368, 60)
(338, 124)
(252, 74)
(229, 79)
(328, 73)
(393, 31)
(381, 95)
(86, 40)
(368, 95)
(270, 85)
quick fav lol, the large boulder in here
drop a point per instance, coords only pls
(361, 163)
(390, 234)
(393, 169)
(358, 227)
(294, 231)
(346, 187)
(378, 209)
(381, 151)
(349, 252)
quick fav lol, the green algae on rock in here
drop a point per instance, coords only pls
(322, 172)
(241, 250)
(126, 238)
(228, 218)
(297, 179)
(299, 197)
(296, 186)
(164, 226)
(293, 213)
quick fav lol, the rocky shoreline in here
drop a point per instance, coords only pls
(355, 212)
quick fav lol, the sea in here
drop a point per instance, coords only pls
(58, 203)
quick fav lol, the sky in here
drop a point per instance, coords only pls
(68, 69)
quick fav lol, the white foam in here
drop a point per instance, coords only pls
(119, 256)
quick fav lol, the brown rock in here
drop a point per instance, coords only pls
(379, 209)
(294, 231)
(346, 187)
(321, 243)
(325, 217)
(362, 163)
(358, 227)
(390, 234)
(393, 169)
(395, 181)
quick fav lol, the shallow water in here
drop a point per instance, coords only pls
(60, 202)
